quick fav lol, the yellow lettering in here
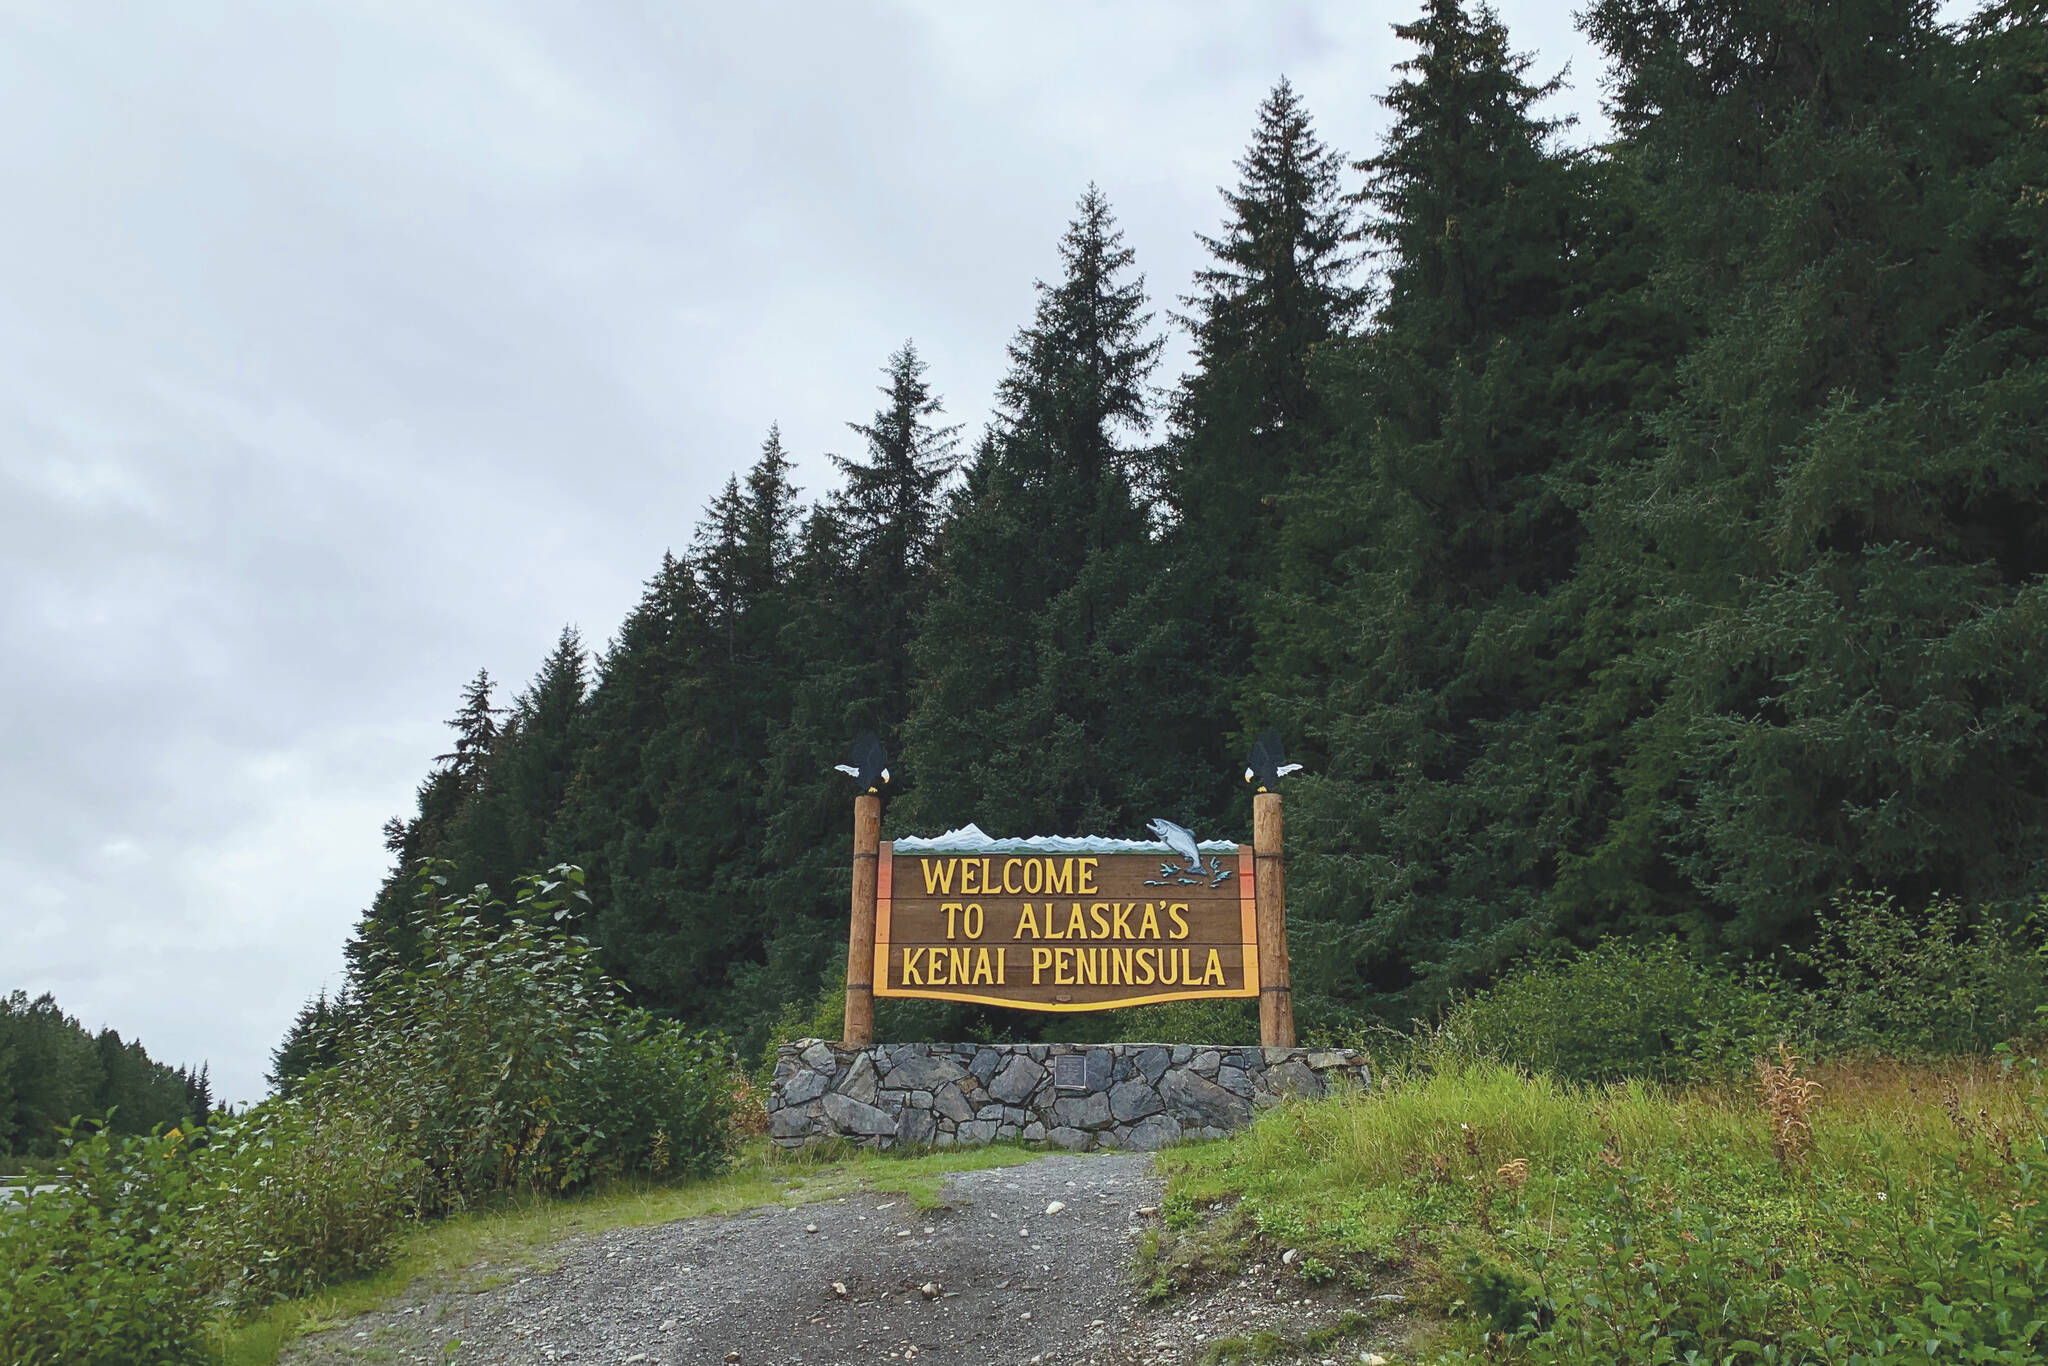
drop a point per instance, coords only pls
(1099, 913)
(1026, 918)
(1008, 865)
(1180, 924)
(1214, 972)
(1120, 967)
(1002, 962)
(911, 975)
(970, 869)
(1077, 928)
(961, 960)
(1041, 959)
(1123, 918)
(1169, 967)
(1084, 968)
(1059, 877)
(984, 971)
(1148, 928)
(1147, 963)
(951, 908)
(1063, 967)
(1086, 885)
(971, 920)
(938, 874)
(1034, 877)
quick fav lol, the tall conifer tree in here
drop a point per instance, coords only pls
(1020, 720)
(1245, 424)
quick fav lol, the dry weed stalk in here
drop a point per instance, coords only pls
(1786, 1096)
(1514, 1175)
(749, 1115)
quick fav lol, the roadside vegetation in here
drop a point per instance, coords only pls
(1626, 1157)
(498, 1063)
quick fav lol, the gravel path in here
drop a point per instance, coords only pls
(1025, 1266)
(992, 1278)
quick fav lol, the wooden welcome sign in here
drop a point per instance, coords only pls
(1068, 924)
(1064, 931)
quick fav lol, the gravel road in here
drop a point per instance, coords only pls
(1026, 1264)
(991, 1278)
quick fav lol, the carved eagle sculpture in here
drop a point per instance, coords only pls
(1267, 764)
(870, 766)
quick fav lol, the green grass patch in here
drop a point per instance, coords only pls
(1271, 1345)
(1541, 1221)
(485, 1247)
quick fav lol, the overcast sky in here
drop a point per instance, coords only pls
(346, 348)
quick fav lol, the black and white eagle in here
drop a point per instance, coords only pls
(870, 766)
(1267, 764)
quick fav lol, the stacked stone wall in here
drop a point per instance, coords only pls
(1078, 1096)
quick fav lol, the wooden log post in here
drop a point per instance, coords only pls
(1269, 887)
(860, 938)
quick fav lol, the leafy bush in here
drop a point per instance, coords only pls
(512, 1062)
(96, 1272)
(1922, 985)
(302, 1191)
(1618, 1010)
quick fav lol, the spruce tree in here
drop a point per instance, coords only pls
(384, 936)
(1245, 425)
(502, 830)
(1023, 719)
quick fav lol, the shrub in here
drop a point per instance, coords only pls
(1618, 1010)
(1938, 982)
(512, 1062)
(302, 1191)
(95, 1271)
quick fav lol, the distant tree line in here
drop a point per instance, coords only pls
(1638, 539)
(54, 1070)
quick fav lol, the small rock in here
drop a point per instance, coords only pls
(905, 1232)
(930, 1290)
(1147, 1211)
(929, 1230)
(666, 1325)
(1055, 1207)
(1372, 1359)
(810, 1228)
(1287, 1257)
(732, 1356)
(839, 1289)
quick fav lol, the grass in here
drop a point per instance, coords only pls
(1497, 1201)
(487, 1247)
(1271, 1345)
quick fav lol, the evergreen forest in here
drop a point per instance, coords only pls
(1641, 540)
(54, 1070)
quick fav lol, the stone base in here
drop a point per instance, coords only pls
(1078, 1096)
